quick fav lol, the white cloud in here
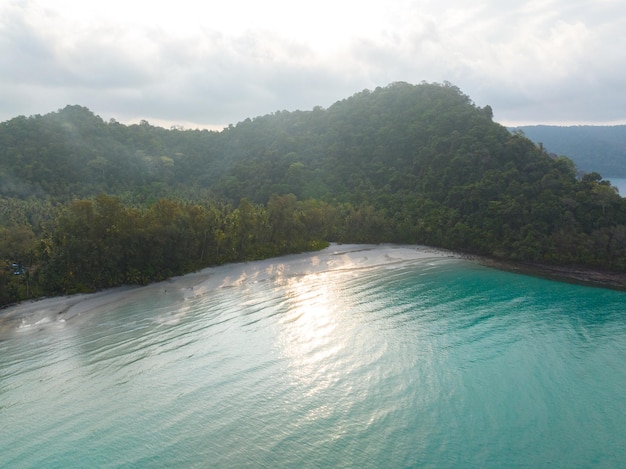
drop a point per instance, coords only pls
(213, 64)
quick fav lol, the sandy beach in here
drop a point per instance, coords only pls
(34, 314)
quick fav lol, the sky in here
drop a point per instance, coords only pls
(210, 64)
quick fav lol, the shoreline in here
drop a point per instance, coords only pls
(60, 309)
(35, 313)
(576, 275)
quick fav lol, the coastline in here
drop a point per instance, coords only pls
(33, 314)
(58, 311)
(576, 275)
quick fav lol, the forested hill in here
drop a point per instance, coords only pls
(389, 136)
(87, 204)
(592, 148)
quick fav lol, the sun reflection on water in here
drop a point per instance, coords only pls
(310, 334)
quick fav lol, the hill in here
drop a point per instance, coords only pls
(88, 204)
(592, 148)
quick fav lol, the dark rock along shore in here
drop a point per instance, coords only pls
(590, 277)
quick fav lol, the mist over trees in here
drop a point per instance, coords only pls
(87, 204)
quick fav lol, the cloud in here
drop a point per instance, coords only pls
(533, 62)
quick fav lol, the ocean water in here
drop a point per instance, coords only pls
(353, 357)
(620, 183)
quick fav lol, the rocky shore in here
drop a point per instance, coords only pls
(577, 275)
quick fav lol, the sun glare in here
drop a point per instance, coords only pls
(309, 334)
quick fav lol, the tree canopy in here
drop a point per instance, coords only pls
(87, 204)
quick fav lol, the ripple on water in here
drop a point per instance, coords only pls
(432, 362)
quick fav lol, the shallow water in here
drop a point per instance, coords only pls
(358, 360)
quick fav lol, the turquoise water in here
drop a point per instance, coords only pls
(434, 362)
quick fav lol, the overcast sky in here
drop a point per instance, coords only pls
(212, 63)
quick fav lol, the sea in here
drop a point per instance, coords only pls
(357, 356)
(620, 183)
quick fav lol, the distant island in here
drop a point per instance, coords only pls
(590, 147)
(87, 204)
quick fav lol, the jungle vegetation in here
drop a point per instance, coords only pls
(87, 204)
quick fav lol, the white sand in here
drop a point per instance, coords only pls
(336, 257)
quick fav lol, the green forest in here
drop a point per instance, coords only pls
(87, 204)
